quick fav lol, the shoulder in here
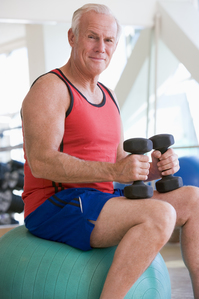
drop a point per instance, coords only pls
(48, 91)
(49, 82)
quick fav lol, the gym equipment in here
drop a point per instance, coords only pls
(16, 165)
(7, 219)
(138, 189)
(168, 183)
(34, 268)
(10, 203)
(189, 170)
(11, 179)
(11, 175)
(16, 179)
(4, 170)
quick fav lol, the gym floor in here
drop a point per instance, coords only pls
(180, 282)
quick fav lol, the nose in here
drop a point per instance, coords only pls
(100, 47)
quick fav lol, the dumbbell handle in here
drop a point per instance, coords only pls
(138, 189)
(169, 182)
(162, 150)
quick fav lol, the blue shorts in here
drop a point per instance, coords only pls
(64, 217)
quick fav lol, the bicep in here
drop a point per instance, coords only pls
(43, 116)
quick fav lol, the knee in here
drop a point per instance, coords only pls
(188, 201)
(191, 195)
(163, 220)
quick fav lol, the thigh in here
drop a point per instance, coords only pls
(64, 217)
(119, 214)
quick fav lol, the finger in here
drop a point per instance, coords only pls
(141, 177)
(166, 158)
(169, 171)
(141, 158)
(156, 154)
(167, 163)
(143, 171)
(170, 168)
(139, 161)
(167, 154)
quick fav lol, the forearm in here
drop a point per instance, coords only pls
(63, 168)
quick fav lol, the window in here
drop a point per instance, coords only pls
(14, 84)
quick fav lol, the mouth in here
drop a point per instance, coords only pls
(97, 58)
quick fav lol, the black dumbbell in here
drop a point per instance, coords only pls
(138, 189)
(10, 203)
(11, 180)
(16, 180)
(4, 172)
(168, 183)
(15, 165)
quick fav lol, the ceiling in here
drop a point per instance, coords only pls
(13, 18)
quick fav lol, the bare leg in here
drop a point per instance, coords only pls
(140, 228)
(186, 203)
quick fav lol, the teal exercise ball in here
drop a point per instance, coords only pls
(34, 268)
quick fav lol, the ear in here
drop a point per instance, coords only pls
(71, 37)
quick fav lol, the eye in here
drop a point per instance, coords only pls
(109, 40)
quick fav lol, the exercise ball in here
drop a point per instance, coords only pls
(34, 268)
(189, 170)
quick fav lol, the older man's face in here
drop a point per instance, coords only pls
(95, 44)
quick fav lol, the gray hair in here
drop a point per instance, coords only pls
(98, 8)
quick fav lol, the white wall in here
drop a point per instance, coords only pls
(134, 12)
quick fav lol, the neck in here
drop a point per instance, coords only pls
(86, 84)
(78, 78)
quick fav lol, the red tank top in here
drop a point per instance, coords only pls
(92, 132)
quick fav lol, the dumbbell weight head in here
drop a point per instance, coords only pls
(138, 189)
(138, 146)
(16, 180)
(16, 165)
(4, 173)
(161, 142)
(10, 203)
(168, 183)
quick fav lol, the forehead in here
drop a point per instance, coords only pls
(98, 23)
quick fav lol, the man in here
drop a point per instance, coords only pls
(74, 151)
